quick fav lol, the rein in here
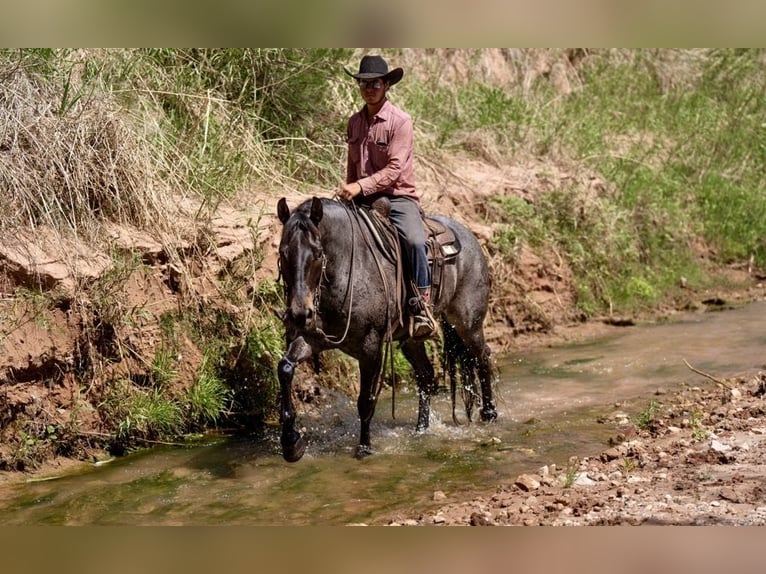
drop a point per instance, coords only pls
(389, 338)
(349, 289)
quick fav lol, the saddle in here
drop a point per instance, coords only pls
(442, 246)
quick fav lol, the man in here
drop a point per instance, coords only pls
(380, 164)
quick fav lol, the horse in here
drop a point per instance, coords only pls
(337, 296)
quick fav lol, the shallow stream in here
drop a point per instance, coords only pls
(549, 402)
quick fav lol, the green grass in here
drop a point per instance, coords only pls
(678, 164)
(209, 398)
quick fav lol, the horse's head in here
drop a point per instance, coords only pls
(301, 261)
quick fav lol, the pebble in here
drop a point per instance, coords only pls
(610, 454)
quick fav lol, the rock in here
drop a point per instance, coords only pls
(583, 479)
(49, 260)
(478, 519)
(718, 446)
(439, 495)
(527, 482)
(610, 454)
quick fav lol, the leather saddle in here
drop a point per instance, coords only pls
(442, 245)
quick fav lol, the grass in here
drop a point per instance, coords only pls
(646, 419)
(680, 157)
(209, 398)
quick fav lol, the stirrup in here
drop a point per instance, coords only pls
(422, 323)
(421, 328)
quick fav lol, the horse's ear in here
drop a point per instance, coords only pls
(283, 211)
(316, 210)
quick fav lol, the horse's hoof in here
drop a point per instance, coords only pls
(489, 414)
(362, 451)
(293, 447)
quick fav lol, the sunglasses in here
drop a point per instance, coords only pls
(374, 84)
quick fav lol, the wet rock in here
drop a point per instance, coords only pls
(478, 519)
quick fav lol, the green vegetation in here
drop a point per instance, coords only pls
(677, 139)
(667, 150)
(647, 418)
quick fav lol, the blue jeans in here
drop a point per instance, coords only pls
(407, 218)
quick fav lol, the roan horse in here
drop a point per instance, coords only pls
(337, 297)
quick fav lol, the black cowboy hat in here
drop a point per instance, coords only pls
(372, 67)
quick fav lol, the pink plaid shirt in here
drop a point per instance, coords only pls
(380, 152)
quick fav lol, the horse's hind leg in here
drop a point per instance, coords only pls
(415, 353)
(482, 355)
(488, 410)
(457, 358)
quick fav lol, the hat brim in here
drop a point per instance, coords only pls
(391, 77)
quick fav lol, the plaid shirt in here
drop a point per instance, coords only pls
(380, 152)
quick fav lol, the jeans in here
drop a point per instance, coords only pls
(407, 218)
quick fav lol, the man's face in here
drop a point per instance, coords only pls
(373, 91)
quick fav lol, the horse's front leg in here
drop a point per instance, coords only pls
(369, 375)
(293, 444)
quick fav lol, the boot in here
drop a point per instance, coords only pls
(422, 324)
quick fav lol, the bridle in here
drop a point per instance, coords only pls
(323, 278)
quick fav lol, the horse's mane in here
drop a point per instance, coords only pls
(331, 210)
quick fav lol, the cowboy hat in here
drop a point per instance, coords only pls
(372, 67)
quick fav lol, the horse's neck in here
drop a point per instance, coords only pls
(344, 238)
(338, 229)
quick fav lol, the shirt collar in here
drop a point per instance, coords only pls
(383, 113)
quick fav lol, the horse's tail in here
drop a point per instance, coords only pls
(459, 363)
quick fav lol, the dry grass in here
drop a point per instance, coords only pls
(70, 164)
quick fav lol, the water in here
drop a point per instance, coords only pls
(548, 403)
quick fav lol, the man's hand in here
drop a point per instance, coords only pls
(349, 191)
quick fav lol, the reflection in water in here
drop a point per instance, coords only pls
(548, 405)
